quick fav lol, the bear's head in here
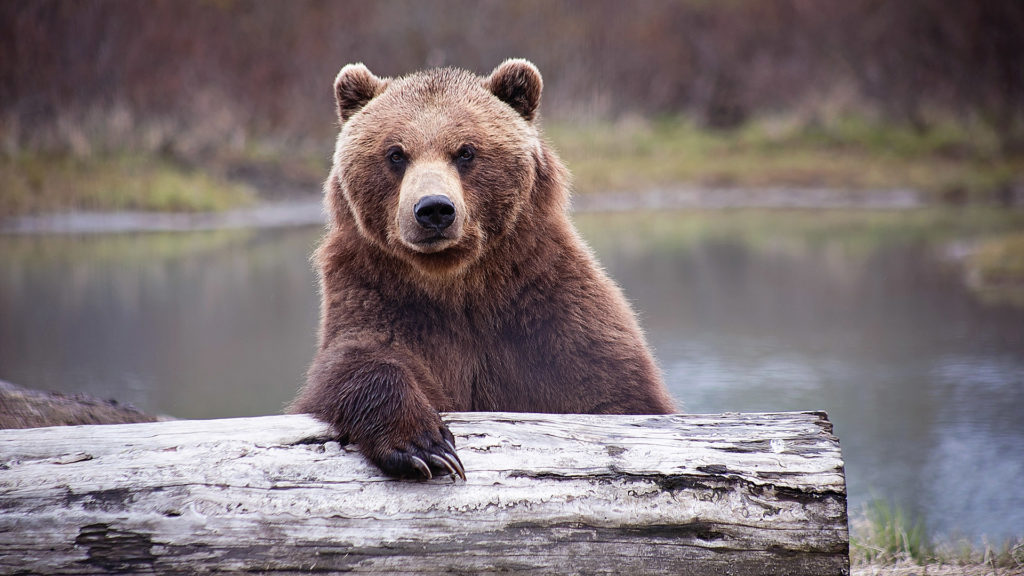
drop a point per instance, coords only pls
(437, 166)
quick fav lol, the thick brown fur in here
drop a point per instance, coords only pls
(505, 310)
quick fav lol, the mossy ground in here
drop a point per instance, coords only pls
(33, 183)
(995, 268)
(952, 162)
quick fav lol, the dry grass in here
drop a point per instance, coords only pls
(955, 163)
(32, 183)
(994, 268)
(911, 569)
(952, 162)
(886, 542)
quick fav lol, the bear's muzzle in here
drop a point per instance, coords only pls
(431, 208)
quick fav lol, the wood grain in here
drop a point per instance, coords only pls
(573, 494)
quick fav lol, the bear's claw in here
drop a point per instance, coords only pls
(420, 465)
(425, 458)
(454, 464)
(443, 462)
(404, 464)
(451, 455)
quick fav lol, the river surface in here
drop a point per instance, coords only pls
(862, 314)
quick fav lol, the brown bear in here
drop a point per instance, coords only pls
(451, 276)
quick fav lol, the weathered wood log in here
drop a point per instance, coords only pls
(546, 494)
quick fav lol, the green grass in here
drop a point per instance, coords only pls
(995, 268)
(1000, 260)
(884, 534)
(952, 162)
(887, 534)
(984, 243)
(32, 183)
(855, 232)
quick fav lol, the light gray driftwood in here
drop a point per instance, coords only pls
(546, 494)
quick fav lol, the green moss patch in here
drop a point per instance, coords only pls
(34, 183)
(995, 269)
(951, 162)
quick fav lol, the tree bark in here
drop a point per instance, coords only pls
(546, 494)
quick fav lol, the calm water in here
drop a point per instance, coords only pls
(862, 315)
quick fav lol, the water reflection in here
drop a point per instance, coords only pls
(202, 325)
(856, 314)
(925, 383)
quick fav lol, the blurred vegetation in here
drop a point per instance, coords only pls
(31, 182)
(884, 534)
(93, 254)
(844, 93)
(949, 161)
(857, 232)
(995, 269)
(984, 244)
(888, 534)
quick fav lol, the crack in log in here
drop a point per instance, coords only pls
(312, 440)
(792, 446)
(116, 551)
(103, 500)
(716, 474)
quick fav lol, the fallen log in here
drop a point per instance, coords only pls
(546, 494)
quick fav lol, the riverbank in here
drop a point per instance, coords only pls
(306, 210)
(659, 164)
(913, 569)
(298, 212)
(951, 163)
(993, 266)
(885, 541)
(26, 408)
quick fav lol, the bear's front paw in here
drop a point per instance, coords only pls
(421, 454)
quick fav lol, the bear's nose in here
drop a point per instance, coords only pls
(435, 212)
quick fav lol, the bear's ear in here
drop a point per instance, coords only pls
(354, 87)
(517, 83)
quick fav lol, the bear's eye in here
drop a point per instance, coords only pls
(396, 156)
(465, 154)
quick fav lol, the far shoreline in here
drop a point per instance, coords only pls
(307, 210)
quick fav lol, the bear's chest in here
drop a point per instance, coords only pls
(479, 365)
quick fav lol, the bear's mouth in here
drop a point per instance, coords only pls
(436, 237)
(432, 242)
(440, 251)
